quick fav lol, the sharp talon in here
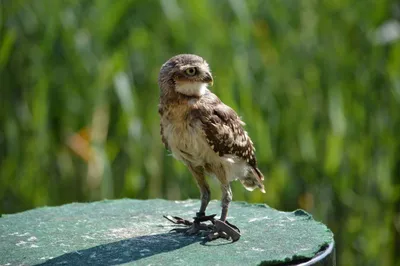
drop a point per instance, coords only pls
(170, 218)
(223, 235)
(227, 228)
(232, 225)
(178, 230)
(177, 220)
(213, 236)
(219, 234)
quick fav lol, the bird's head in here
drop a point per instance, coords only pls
(187, 74)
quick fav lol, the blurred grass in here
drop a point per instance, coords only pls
(318, 83)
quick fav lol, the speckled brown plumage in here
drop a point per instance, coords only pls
(224, 129)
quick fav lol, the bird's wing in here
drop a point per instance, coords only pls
(225, 134)
(163, 139)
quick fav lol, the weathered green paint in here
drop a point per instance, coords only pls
(134, 231)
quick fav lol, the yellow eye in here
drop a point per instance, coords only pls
(191, 71)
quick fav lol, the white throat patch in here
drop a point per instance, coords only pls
(191, 88)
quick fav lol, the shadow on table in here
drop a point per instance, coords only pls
(125, 251)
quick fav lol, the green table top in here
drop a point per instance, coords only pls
(129, 231)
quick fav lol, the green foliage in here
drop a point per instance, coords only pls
(318, 83)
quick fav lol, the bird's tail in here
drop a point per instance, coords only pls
(253, 180)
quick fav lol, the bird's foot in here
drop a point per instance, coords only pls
(198, 225)
(217, 228)
(224, 229)
(198, 228)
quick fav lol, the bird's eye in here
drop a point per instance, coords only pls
(191, 71)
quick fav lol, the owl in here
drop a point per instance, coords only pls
(204, 133)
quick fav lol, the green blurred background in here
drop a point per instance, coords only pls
(318, 83)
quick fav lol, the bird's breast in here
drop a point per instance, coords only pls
(187, 143)
(185, 137)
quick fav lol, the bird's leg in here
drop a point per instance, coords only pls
(225, 201)
(198, 223)
(198, 174)
(223, 228)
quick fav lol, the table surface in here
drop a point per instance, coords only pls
(129, 231)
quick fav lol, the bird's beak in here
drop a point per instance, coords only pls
(208, 78)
